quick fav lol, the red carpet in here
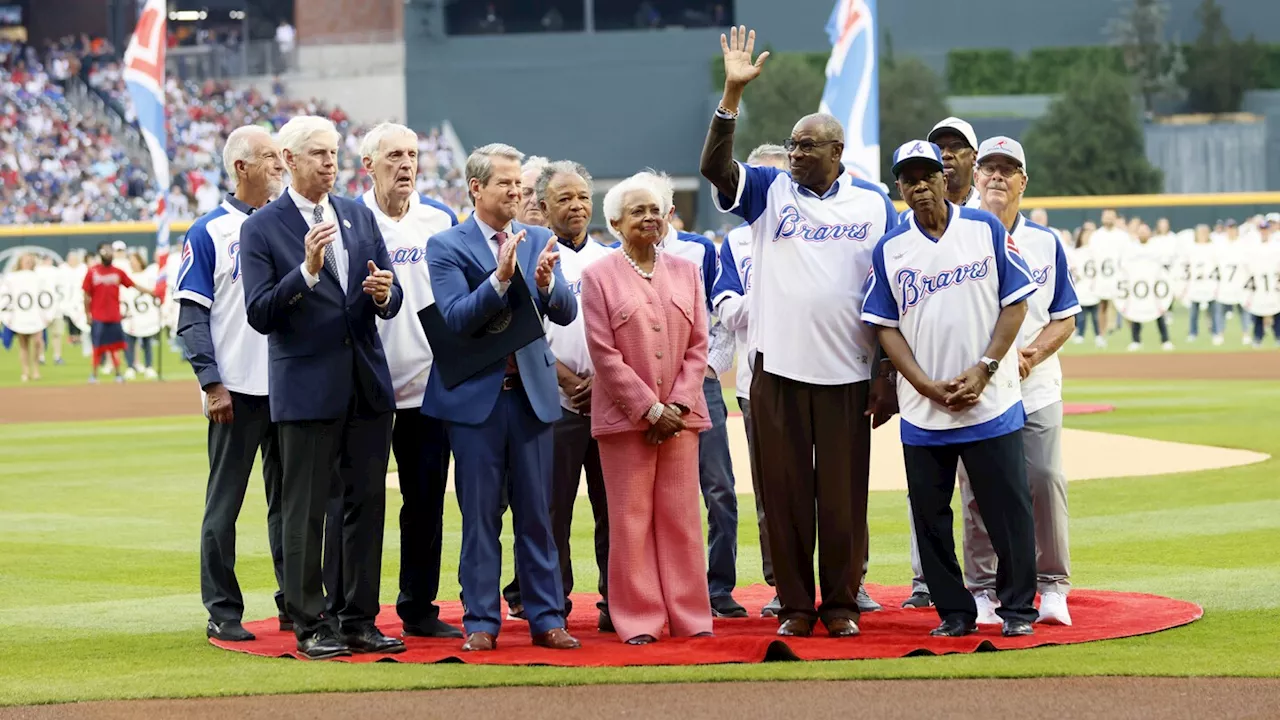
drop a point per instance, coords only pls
(893, 632)
(1085, 409)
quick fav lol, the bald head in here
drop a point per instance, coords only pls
(820, 126)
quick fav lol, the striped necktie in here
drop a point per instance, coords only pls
(330, 261)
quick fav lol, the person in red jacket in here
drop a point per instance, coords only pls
(102, 306)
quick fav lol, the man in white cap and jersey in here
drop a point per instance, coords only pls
(1050, 321)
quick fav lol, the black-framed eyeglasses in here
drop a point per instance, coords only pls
(806, 147)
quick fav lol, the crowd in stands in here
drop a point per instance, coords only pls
(59, 165)
(56, 164)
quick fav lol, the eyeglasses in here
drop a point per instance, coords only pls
(806, 147)
(1004, 171)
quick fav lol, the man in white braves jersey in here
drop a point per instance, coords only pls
(959, 145)
(947, 293)
(715, 463)
(230, 362)
(733, 282)
(563, 190)
(1050, 321)
(1107, 245)
(389, 153)
(813, 230)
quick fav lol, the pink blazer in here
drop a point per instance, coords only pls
(647, 340)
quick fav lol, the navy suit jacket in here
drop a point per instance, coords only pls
(460, 262)
(324, 345)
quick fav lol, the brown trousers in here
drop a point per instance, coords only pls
(812, 444)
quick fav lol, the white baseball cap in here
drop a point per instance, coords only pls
(119, 245)
(956, 125)
(916, 150)
(1001, 145)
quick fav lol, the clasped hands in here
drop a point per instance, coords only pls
(961, 392)
(669, 425)
(547, 259)
(377, 284)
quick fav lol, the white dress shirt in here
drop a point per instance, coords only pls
(307, 208)
(498, 285)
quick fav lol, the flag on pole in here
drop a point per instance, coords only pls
(144, 77)
(852, 93)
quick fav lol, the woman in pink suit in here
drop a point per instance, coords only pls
(646, 323)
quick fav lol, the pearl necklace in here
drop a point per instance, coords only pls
(636, 267)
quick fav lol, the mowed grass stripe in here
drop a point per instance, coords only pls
(99, 584)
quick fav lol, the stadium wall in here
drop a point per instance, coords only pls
(1183, 211)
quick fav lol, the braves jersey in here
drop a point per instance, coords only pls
(945, 295)
(210, 276)
(1055, 299)
(729, 295)
(404, 341)
(810, 255)
(569, 342)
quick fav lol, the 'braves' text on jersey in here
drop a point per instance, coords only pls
(409, 354)
(210, 276)
(1054, 300)
(945, 295)
(810, 255)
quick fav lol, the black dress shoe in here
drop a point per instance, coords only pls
(795, 627)
(726, 607)
(1017, 628)
(371, 640)
(955, 627)
(642, 640)
(322, 645)
(918, 600)
(605, 623)
(286, 624)
(228, 631)
(433, 628)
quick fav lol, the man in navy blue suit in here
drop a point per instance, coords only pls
(316, 274)
(499, 420)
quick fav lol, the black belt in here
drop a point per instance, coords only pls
(511, 382)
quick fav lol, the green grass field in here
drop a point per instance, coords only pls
(99, 589)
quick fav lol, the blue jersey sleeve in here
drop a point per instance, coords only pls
(878, 305)
(1016, 284)
(453, 217)
(727, 279)
(1064, 303)
(753, 192)
(195, 275)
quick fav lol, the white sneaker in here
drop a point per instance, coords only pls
(1191, 339)
(1167, 346)
(130, 374)
(1247, 340)
(1077, 339)
(150, 373)
(1217, 340)
(1053, 609)
(1135, 347)
(1100, 341)
(986, 610)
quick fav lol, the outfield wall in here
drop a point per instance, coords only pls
(1183, 211)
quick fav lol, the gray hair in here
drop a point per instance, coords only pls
(768, 151)
(561, 167)
(534, 162)
(303, 128)
(371, 143)
(480, 161)
(238, 147)
(828, 126)
(660, 183)
(613, 199)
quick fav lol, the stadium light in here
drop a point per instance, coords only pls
(188, 15)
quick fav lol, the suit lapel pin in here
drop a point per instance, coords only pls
(346, 224)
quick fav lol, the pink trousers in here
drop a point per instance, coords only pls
(657, 559)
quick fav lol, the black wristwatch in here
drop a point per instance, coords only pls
(990, 364)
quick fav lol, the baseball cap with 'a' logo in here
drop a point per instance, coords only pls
(916, 151)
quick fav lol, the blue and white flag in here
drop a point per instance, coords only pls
(144, 76)
(852, 94)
